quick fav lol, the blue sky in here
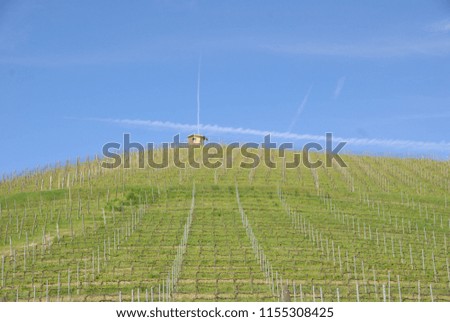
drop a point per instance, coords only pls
(75, 75)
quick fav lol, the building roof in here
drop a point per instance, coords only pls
(198, 136)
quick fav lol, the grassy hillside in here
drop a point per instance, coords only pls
(376, 230)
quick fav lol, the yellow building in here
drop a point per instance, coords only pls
(197, 139)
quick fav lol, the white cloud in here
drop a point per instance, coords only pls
(440, 26)
(208, 128)
(374, 49)
(422, 116)
(173, 47)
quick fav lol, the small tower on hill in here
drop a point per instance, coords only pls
(197, 139)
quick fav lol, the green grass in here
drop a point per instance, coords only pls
(372, 231)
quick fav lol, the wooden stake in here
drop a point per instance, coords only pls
(423, 261)
(59, 287)
(375, 284)
(418, 291)
(434, 267)
(389, 286)
(411, 257)
(68, 282)
(3, 270)
(357, 291)
(448, 271)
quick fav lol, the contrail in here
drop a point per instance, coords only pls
(393, 143)
(300, 109)
(339, 87)
(198, 94)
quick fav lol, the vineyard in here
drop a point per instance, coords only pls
(377, 230)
